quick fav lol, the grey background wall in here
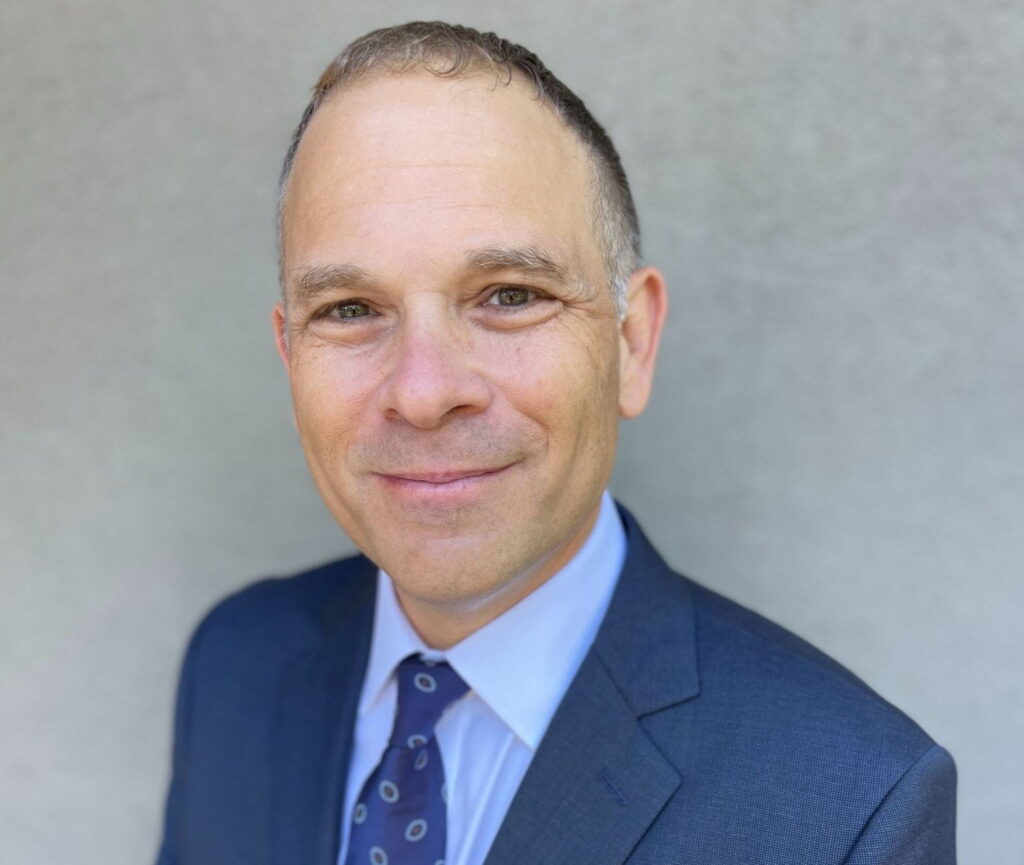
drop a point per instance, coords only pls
(836, 193)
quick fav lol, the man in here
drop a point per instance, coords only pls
(511, 674)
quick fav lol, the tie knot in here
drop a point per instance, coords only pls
(425, 690)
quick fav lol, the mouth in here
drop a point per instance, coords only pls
(440, 477)
(441, 484)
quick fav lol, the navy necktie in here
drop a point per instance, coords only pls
(400, 817)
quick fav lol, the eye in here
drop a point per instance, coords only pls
(512, 296)
(348, 309)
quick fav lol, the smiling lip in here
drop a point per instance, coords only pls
(440, 478)
(428, 494)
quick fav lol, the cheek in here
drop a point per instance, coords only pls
(532, 373)
(329, 394)
(563, 384)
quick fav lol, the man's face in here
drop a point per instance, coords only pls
(451, 341)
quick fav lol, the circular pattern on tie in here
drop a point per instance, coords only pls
(425, 682)
(416, 830)
(399, 817)
(388, 791)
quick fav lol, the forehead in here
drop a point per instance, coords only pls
(397, 166)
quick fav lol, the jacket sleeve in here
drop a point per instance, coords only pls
(915, 824)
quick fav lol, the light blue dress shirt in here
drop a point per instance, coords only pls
(518, 668)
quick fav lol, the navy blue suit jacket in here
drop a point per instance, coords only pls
(695, 732)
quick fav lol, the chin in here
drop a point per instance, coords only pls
(457, 571)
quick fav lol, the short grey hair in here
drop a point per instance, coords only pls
(451, 51)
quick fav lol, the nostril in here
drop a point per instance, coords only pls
(425, 394)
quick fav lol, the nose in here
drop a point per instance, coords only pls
(433, 373)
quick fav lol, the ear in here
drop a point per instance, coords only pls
(280, 323)
(646, 306)
(277, 318)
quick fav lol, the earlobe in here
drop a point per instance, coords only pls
(646, 307)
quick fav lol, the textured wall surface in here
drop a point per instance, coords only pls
(836, 193)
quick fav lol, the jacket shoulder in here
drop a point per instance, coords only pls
(793, 751)
(231, 693)
(754, 674)
(812, 711)
(279, 616)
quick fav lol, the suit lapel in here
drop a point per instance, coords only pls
(594, 786)
(597, 781)
(313, 730)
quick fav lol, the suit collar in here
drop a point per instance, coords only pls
(597, 782)
(648, 638)
(347, 607)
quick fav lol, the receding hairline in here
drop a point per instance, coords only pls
(481, 68)
(467, 61)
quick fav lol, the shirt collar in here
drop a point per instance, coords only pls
(560, 617)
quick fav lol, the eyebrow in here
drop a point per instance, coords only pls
(525, 259)
(314, 282)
